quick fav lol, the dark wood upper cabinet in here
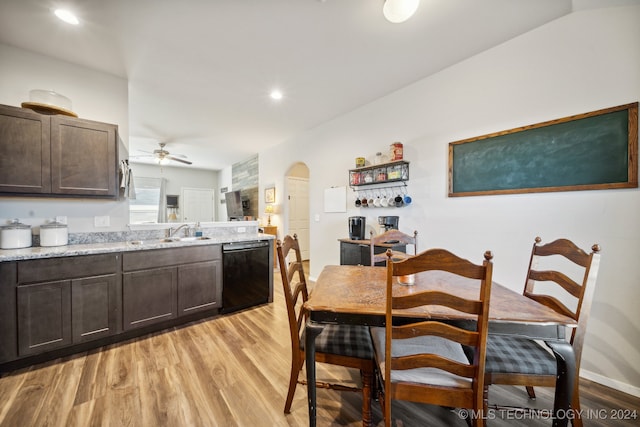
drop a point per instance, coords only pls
(83, 157)
(25, 151)
(56, 155)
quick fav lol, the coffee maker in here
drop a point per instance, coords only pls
(386, 223)
(356, 227)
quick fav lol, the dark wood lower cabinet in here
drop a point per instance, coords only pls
(199, 287)
(44, 317)
(149, 296)
(53, 307)
(52, 315)
(94, 307)
(163, 284)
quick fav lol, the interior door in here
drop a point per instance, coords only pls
(298, 189)
(197, 204)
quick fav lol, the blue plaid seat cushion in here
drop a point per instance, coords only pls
(344, 340)
(515, 354)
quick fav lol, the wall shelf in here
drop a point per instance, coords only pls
(392, 174)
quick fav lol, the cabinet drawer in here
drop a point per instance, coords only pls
(40, 270)
(155, 258)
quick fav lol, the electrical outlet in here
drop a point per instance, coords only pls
(61, 219)
(101, 221)
(242, 229)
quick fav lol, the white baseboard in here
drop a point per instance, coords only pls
(608, 382)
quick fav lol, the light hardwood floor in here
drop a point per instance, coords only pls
(229, 371)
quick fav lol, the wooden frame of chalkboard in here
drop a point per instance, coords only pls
(591, 151)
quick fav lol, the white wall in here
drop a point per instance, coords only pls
(94, 96)
(177, 177)
(582, 62)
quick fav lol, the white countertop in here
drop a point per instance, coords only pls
(135, 245)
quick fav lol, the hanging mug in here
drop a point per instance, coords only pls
(377, 202)
(398, 201)
(364, 203)
(358, 202)
(407, 199)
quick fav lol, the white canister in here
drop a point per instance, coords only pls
(15, 235)
(54, 234)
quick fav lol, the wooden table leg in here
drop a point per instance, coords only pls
(312, 330)
(566, 365)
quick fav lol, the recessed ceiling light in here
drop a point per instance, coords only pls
(67, 16)
(397, 11)
(276, 94)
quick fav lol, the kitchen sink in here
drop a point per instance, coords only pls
(184, 239)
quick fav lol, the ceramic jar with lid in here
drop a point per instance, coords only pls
(15, 235)
(54, 234)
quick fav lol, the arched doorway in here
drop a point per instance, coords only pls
(297, 205)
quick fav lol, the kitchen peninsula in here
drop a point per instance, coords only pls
(56, 301)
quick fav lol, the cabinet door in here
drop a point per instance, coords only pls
(44, 317)
(149, 296)
(351, 254)
(199, 287)
(24, 151)
(83, 157)
(94, 307)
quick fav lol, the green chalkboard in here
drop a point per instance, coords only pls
(589, 151)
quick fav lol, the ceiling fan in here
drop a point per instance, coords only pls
(162, 156)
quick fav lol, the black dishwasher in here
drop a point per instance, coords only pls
(246, 270)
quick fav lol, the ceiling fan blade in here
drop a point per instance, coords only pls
(178, 160)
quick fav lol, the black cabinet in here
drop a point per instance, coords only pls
(358, 252)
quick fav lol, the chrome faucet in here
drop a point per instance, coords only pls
(172, 231)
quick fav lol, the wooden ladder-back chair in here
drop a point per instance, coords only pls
(344, 345)
(392, 237)
(516, 360)
(427, 360)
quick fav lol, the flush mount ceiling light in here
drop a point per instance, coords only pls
(67, 16)
(276, 95)
(397, 11)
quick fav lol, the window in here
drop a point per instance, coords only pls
(145, 207)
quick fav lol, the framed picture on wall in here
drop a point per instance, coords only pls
(270, 195)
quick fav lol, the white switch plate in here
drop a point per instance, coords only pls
(61, 219)
(316, 217)
(101, 221)
(242, 229)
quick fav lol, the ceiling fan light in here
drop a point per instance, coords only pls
(397, 11)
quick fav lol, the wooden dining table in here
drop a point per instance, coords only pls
(348, 294)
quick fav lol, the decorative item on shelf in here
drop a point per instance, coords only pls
(379, 158)
(49, 102)
(360, 162)
(269, 210)
(395, 151)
